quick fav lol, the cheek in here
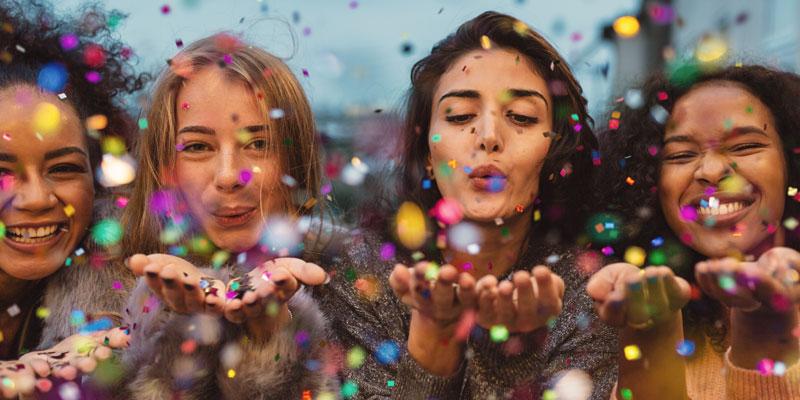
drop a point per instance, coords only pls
(190, 178)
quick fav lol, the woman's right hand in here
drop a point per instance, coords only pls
(626, 295)
(179, 284)
(439, 297)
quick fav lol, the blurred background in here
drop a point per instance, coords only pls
(353, 57)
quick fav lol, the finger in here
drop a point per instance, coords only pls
(420, 288)
(85, 364)
(678, 290)
(67, 372)
(504, 304)
(549, 292)
(636, 301)
(253, 306)
(613, 311)
(234, 311)
(609, 278)
(25, 383)
(400, 280)
(151, 272)
(137, 263)
(214, 304)
(487, 292)
(115, 338)
(467, 295)
(308, 273)
(526, 298)
(102, 353)
(443, 293)
(658, 305)
(40, 367)
(173, 294)
(285, 285)
(192, 294)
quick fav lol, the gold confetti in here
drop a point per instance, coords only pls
(485, 42)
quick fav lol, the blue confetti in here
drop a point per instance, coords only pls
(52, 77)
(387, 352)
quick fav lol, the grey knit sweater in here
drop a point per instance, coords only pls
(379, 325)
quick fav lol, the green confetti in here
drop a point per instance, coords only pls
(657, 257)
(436, 138)
(349, 389)
(219, 258)
(356, 357)
(432, 272)
(350, 274)
(549, 394)
(107, 232)
(2, 230)
(143, 123)
(626, 393)
(390, 383)
(499, 333)
(68, 262)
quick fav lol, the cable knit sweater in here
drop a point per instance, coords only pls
(523, 367)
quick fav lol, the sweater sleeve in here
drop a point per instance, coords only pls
(290, 365)
(748, 384)
(367, 317)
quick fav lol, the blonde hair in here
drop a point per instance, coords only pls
(277, 91)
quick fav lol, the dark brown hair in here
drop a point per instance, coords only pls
(566, 170)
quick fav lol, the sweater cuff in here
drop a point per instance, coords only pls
(742, 383)
(290, 364)
(415, 382)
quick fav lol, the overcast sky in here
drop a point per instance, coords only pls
(352, 49)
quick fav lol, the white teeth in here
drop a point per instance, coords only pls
(722, 209)
(31, 235)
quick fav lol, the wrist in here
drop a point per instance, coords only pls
(433, 346)
(763, 334)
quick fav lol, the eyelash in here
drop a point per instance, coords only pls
(197, 147)
(262, 142)
(747, 146)
(737, 148)
(67, 169)
(459, 119)
(518, 119)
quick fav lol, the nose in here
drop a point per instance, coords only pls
(713, 167)
(489, 138)
(226, 178)
(34, 194)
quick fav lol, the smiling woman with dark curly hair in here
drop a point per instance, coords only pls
(706, 169)
(60, 79)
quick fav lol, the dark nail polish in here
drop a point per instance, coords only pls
(188, 286)
(169, 283)
(151, 274)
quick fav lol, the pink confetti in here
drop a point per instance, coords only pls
(122, 202)
(227, 58)
(662, 96)
(245, 176)
(306, 31)
(68, 41)
(607, 251)
(185, 105)
(447, 211)
(326, 189)
(387, 251)
(576, 37)
(765, 366)
(305, 72)
(93, 77)
(353, 5)
(165, 9)
(117, 285)
(652, 150)
(689, 213)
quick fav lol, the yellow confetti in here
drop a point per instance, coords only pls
(792, 191)
(410, 223)
(96, 122)
(69, 210)
(632, 352)
(256, 170)
(710, 48)
(114, 145)
(635, 255)
(537, 215)
(616, 114)
(452, 164)
(520, 27)
(231, 373)
(42, 312)
(626, 26)
(46, 118)
(485, 42)
(733, 184)
(1, 336)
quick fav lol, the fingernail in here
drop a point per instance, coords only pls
(652, 279)
(280, 282)
(635, 286)
(126, 261)
(151, 274)
(327, 279)
(169, 282)
(188, 286)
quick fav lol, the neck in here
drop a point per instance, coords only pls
(12, 290)
(500, 249)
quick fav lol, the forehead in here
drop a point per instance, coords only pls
(495, 69)
(25, 110)
(210, 93)
(715, 107)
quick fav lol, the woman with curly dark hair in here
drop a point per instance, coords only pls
(707, 169)
(59, 79)
(497, 148)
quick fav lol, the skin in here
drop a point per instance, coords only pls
(721, 140)
(231, 212)
(489, 108)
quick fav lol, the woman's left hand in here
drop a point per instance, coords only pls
(770, 284)
(259, 301)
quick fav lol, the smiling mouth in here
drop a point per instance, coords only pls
(723, 209)
(34, 235)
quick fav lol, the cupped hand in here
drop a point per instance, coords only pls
(439, 295)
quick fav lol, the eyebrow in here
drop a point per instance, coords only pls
(208, 131)
(515, 93)
(739, 130)
(6, 157)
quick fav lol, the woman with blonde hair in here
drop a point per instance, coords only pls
(228, 171)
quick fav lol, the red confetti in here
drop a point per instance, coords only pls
(165, 9)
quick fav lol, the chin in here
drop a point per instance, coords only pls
(31, 271)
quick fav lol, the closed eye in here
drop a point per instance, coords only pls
(67, 168)
(747, 146)
(195, 147)
(680, 157)
(459, 118)
(521, 119)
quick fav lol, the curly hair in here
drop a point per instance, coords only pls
(567, 167)
(31, 38)
(633, 150)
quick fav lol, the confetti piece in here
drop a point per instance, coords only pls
(447, 211)
(387, 251)
(2, 230)
(52, 77)
(634, 99)
(436, 138)
(387, 352)
(356, 357)
(116, 171)
(630, 181)
(165, 9)
(632, 352)
(68, 41)
(626, 394)
(765, 367)
(626, 26)
(485, 42)
(143, 123)
(689, 213)
(791, 191)
(96, 122)
(42, 312)
(685, 348)
(635, 255)
(276, 113)
(710, 48)
(498, 333)
(349, 389)
(13, 311)
(46, 118)
(791, 223)
(410, 225)
(231, 373)
(107, 232)
(245, 176)
(407, 48)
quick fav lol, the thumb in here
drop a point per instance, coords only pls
(308, 273)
